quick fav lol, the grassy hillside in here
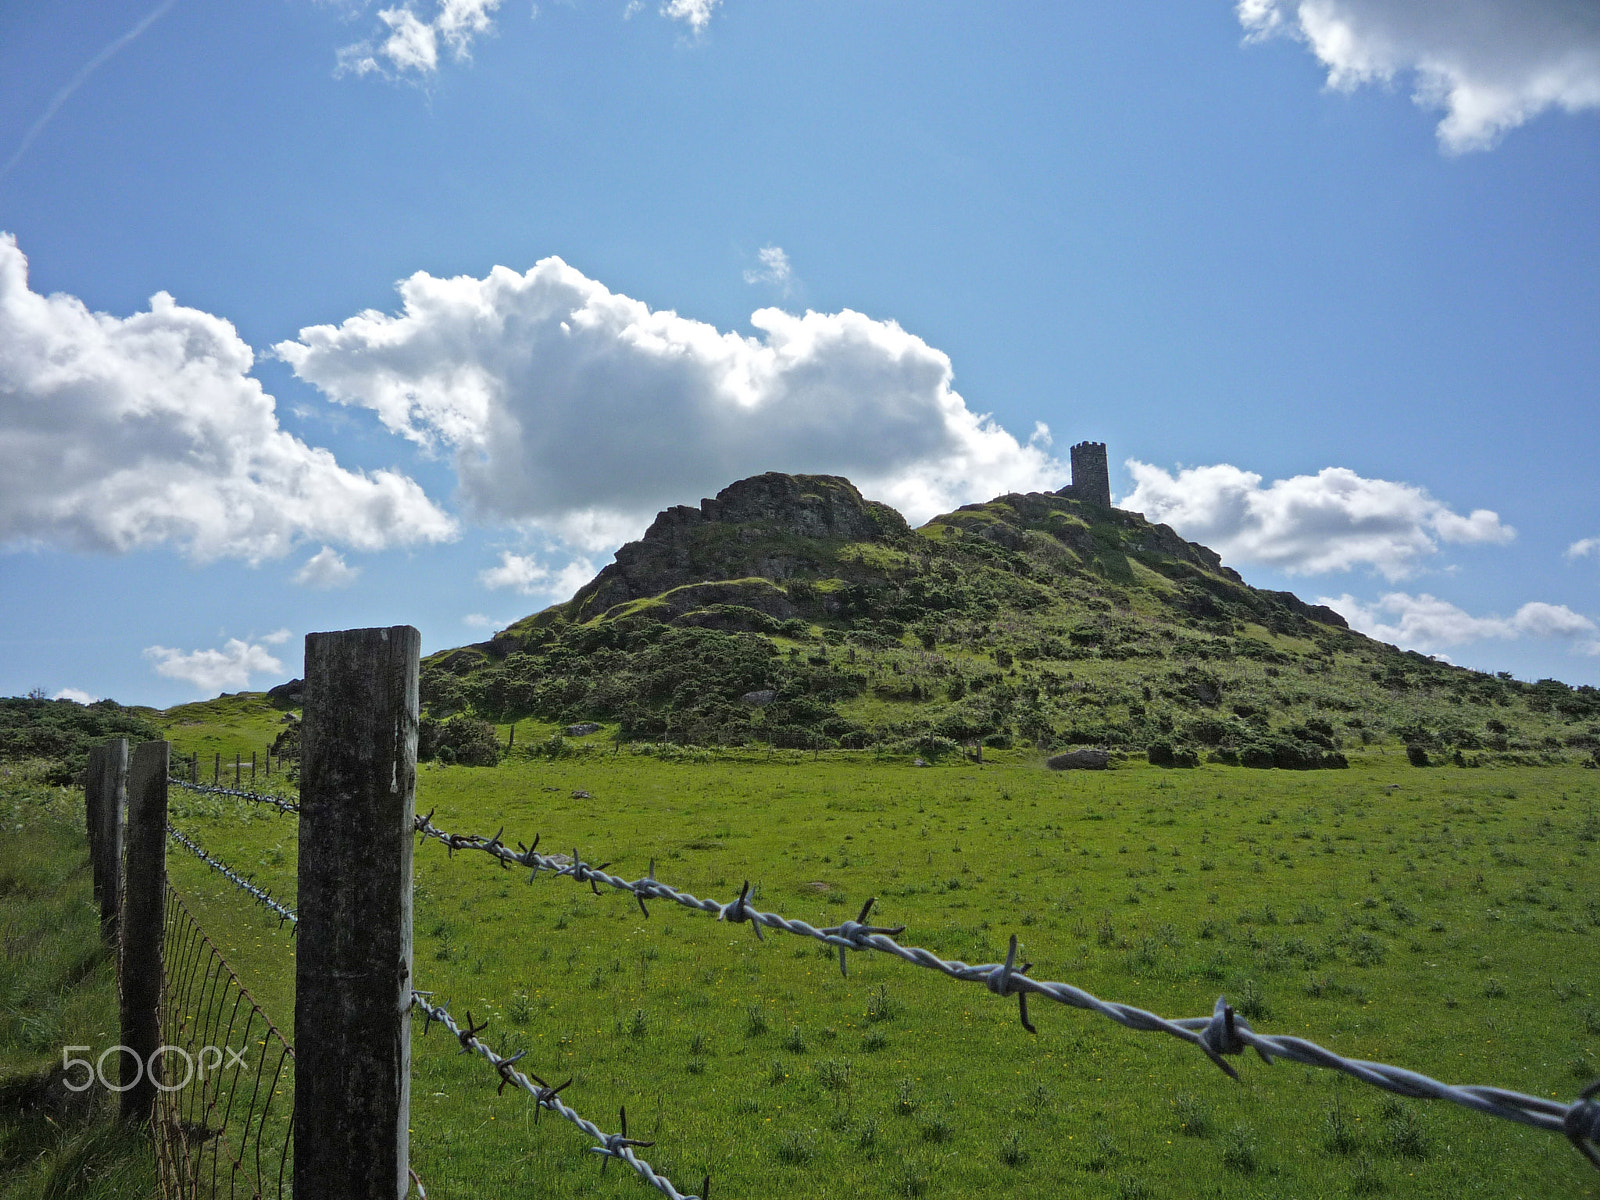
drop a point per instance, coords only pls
(1031, 620)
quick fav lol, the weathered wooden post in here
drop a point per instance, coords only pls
(216, 770)
(93, 777)
(237, 762)
(358, 769)
(113, 799)
(252, 768)
(144, 895)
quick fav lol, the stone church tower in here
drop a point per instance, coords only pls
(1091, 480)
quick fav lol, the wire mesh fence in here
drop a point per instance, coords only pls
(225, 1104)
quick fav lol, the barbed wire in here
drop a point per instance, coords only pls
(1224, 1032)
(281, 803)
(611, 1145)
(243, 882)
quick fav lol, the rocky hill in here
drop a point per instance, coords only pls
(790, 610)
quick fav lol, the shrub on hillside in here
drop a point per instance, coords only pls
(461, 739)
(1163, 753)
(61, 732)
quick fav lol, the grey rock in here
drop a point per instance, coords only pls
(582, 730)
(758, 699)
(1079, 760)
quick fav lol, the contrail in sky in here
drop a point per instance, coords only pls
(77, 81)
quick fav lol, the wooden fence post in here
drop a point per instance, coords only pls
(144, 896)
(358, 770)
(113, 800)
(216, 771)
(93, 781)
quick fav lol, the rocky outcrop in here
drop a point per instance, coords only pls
(755, 527)
(287, 695)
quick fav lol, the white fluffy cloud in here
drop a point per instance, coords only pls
(411, 46)
(217, 670)
(124, 432)
(1331, 521)
(530, 577)
(1583, 547)
(1491, 65)
(75, 695)
(326, 569)
(696, 14)
(574, 408)
(1425, 622)
(775, 268)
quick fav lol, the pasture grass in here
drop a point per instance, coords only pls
(1443, 920)
(57, 988)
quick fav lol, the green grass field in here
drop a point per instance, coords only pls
(57, 988)
(1437, 919)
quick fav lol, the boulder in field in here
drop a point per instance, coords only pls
(1079, 760)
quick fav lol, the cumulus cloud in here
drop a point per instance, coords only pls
(1331, 521)
(480, 621)
(696, 14)
(1425, 622)
(572, 408)
(76, 696)
(1583, 547)
(326, 569)
(530, 577)
(411, 46)
(1490, 65)
(217, 670)
(125, 432)
(775, 268)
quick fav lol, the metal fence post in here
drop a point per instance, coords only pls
(144, 897)
(353, 967)
(112, 802)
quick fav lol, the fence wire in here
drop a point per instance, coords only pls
(262, 895)
(609, 1145)
(281, 803)
(227, 1129)
(1224, 1032)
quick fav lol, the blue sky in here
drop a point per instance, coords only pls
(328, 314)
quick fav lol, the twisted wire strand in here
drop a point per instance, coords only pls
(281, 803)
(1224, 1032)
(610, 1145)
(283, 912)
